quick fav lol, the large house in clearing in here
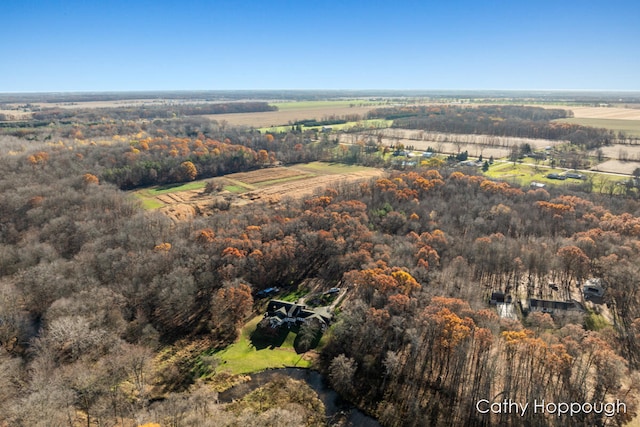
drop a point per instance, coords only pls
(281, 313)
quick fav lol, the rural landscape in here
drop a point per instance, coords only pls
(313, 258)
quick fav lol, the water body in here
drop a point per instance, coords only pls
(335, 406)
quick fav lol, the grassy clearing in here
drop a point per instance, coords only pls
(524, 175)
(325, 168)
(246, 356)
(148, 195)
(148, 202)
(174, 188)
(630, 127)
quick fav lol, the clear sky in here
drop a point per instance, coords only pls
(114, 45)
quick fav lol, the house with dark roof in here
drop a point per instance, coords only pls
(287, 313)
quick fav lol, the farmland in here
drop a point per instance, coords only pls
(268, 185)
(614, 118)
(614, 113)
(287, 116)
(476, 145)
(629, 127)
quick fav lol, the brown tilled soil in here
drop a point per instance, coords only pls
(605, 113)
(265, 175)
(618, 167)
(185, 205)
(622, 152)
(285, 117)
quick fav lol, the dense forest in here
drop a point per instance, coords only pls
(95, 292)
(499, 120)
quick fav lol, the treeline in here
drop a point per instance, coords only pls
(174, 160)
(152, 111)
(498, 120)
(315, 122)
(156, 152)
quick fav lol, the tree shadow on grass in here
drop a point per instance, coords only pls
(264, 337)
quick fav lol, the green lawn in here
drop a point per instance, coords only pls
(147, 195)
(149, 202)
(243, 357)
(174, 188)
(525, 174)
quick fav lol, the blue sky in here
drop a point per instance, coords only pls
(100, 45)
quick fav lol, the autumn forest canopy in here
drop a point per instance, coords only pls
(111, 314)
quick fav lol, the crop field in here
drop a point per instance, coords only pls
(618, 166)
(605, 113)
(268, 185)
(621, 152)
(288, 116)
(630, 127)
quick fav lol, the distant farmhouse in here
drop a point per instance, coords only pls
(283, 313)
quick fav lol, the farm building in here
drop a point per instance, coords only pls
(550, 306)
(288, 313)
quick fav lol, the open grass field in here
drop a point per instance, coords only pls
(524, 174)
(248, 355)
(630, 127)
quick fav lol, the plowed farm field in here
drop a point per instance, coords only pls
(286, 116)
(269, 185)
